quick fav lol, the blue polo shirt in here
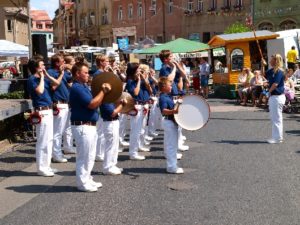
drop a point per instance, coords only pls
(165, 102)
(80, 98)
(97, 73)
(164, 72)
(153, 86)
(106, 110)
(277, 78)
(43, 99)
(61, 93)
(143, 95)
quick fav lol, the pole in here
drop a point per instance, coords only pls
(29, 30)
(145, 18)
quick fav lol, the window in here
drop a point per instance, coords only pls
(120, 13)
(206, 37)
(153, 7)
(190, 5)
(200, 5)
(213, 4)
(237, 59)
(239, 3)
(104, 16)
(130, 11)
(48, 26)
(265, 26)
(227, 3)
(39, 26)
(92, 18)
(170, 6)
(140, 9)
(287, 25)
(9, 25)
(49, 36)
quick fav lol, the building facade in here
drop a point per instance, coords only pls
(41, 24)
(14, 21)
(165, 20)
(276, 15)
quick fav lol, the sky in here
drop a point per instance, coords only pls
(49, 5)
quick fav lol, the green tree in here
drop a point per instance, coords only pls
(236, 27)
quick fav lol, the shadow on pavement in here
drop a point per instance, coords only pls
(131, 171)
(293, 132)
(240, 142)
(16, 173)
(18, 159)
(42, 189)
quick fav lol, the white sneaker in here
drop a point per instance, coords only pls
(59, 159)
(274, 141)
(183, 148)
(144, 149)
(124, 143)
(45, 173)
(179, 156)
(112, 171)
(67, 157)
(99, 159)
(70, 151)
(54, 170)
(183, 138)
(148, 138)
(153, 134)
(88, 188)
(146, 142)
(176, 171)
(96, 184)
(137, 157)
(120, 150)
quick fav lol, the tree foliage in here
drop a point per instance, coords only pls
(236, 27)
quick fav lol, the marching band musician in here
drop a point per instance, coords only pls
(110, 117)
(102, 65)
(139, 87)
(175, 73)
(170, 127)
(61, 106)
(84, 116)
(67, 136)
(39, 87)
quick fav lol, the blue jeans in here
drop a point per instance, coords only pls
(204, 81)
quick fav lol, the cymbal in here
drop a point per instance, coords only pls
(113, 80)
(130, 102)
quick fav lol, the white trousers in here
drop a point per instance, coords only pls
(85, 139)
(276, 103)
(123, 122)
(170, 143)
(67, 136)
(180, 139)
(59, 126)
(111, 136)
(100, 139)
(154, 117)
(44, 143)
(136, 131)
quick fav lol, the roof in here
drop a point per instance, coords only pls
(223, 39)
(179, 45)
(39, 15)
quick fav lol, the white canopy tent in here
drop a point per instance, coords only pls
(8, 48)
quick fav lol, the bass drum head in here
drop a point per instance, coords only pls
(193, 113)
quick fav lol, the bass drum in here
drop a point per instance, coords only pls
(193, 113)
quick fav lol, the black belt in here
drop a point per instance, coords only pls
(171, 117)
(78, 123)
(276, 94)
(41, 108)
(111, 119)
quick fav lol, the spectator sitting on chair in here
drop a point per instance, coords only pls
(289, 89)
(246, 87)
(256, 84)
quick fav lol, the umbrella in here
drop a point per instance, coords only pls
(179, 45)
(8, 48)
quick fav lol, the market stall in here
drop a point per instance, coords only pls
(241, 51)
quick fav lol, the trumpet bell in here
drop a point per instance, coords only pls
(113, 80)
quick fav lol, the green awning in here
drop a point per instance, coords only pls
(179, 45)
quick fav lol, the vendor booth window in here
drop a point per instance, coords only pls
(237, 60)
